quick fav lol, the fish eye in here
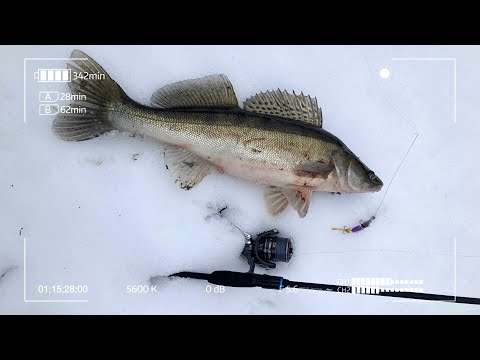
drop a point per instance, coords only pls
(372, 175)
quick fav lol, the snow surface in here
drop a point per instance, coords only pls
(93, 215)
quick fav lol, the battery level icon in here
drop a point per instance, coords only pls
(48, 109)
(53, 75)
(48, 96)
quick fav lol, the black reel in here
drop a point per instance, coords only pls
(267, 249)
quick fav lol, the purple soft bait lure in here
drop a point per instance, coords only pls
(362, 225)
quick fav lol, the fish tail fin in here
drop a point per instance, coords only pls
(94, 93)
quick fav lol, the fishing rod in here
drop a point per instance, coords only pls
(268, 248)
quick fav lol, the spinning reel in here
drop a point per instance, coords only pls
(266, 249)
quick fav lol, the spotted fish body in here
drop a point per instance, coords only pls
(276, 140)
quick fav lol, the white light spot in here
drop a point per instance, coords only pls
(384, 73)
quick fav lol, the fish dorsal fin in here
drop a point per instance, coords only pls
(214, 91)
(281, 103)
(187, 169)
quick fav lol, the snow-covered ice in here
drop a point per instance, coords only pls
(105, 213)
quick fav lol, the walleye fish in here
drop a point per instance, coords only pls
(276, 139)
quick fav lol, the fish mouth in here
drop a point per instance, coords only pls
(376, 185)
(377, 188)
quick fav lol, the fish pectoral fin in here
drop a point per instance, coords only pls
(314, 170)
(214, 91)
(275, 199)
(186, 168)
(291, 106)
(299, 198)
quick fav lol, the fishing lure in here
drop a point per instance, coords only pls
(362, 225)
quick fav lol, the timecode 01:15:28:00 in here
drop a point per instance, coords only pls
(62, 289)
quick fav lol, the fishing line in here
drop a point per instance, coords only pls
(404, 252)
(382, 92)
(395, 173)
(439, 253)
(364, 224)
